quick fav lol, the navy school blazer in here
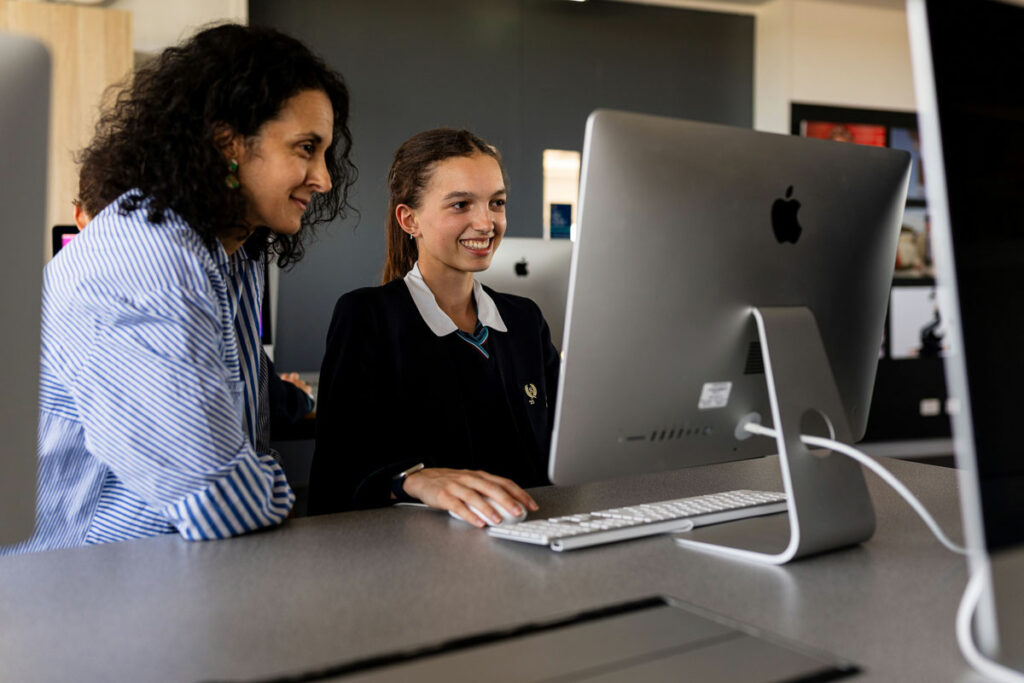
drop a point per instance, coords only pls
(389, 397)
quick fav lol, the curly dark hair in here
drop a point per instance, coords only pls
(160, 135)
(88, 198)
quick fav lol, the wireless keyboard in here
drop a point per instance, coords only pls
(636, 521)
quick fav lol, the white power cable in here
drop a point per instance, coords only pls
(871, 464)
(965, 635)
(972, 594)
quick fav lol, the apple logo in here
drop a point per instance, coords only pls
(521, 268)
(784, 222)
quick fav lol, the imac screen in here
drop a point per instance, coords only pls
(978, 56)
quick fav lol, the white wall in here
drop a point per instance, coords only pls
(157, 24)
(160, 23)
(852, 53)
(773, 66)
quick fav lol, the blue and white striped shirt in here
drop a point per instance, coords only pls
(148, 389)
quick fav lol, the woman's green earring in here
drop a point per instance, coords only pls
(232, 179)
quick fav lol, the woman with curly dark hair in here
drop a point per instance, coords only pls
(221, 154)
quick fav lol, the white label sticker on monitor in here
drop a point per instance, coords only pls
(930, 407)
(714, 395)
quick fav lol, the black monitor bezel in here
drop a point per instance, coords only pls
(57, 236)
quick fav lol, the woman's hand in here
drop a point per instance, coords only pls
(293, 378)
(456, 490)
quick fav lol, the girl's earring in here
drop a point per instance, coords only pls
(412, 236)
(231, 180)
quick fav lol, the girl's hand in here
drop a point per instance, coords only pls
(456, 490)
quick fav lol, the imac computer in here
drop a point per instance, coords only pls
(724, 276)
(968, 59)
(537, 269)
(24, 140)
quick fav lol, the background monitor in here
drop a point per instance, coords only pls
(24, 139)
(909, 401)
(683, 228)
(968, 59)
(61, 236)
(537, 269)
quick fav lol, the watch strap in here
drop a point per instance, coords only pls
(398, 482)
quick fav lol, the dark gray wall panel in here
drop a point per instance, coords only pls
(578, 57)
(524, 74)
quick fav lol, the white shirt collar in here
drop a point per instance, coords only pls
(436, 319)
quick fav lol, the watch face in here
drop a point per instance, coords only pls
(411, 470)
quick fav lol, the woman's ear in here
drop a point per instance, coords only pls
(406, 217)
(81, 217)
(227, 141)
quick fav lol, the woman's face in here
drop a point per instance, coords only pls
(461, 218)
(284, 166)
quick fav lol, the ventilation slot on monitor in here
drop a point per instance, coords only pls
(755, 362)
(672, 434)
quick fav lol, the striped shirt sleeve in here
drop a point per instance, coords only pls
(161, 410)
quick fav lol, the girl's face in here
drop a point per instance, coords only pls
(285, 166)
(461, 218)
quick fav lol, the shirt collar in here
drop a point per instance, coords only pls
(436, 319)
(233, 263)
(220, 256)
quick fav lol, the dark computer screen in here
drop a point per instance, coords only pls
(978, 56)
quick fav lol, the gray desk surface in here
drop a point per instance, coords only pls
(324, 590)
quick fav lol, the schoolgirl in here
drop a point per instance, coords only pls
(433, 387)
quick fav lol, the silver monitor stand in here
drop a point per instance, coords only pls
(828, 502)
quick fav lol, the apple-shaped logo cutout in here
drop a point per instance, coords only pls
(521, 268)
(784, 222)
